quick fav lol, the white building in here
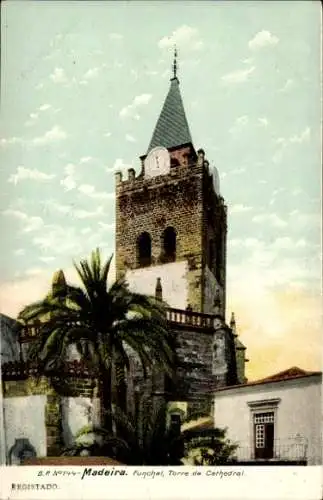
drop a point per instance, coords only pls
(277, 419)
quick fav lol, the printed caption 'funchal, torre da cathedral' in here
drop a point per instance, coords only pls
(171, 232)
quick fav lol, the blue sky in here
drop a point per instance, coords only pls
(82, 86)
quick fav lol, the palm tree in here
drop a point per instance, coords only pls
(103, 323)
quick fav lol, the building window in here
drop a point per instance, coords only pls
(169, 245)
(144, 250)
(175, 423)
(264, 434)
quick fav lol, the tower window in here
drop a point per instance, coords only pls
(144, 250)
(169, 244)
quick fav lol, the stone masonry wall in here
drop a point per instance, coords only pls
(153, 205)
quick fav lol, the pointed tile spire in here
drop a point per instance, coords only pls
(172, 127)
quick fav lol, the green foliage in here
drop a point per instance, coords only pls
(142, 441)
(209, 447)
(149, 441)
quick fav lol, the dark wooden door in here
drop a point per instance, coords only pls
(264, 435)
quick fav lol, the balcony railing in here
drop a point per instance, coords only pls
(190, 318)
(290, 449)
(176, 317)
(22, 369)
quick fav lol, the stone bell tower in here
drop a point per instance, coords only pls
(171, 221)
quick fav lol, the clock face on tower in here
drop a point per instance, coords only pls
(157, 162)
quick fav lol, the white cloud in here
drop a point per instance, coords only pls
(139, 101)
(281, 141)
(115, 36)
(185, 36)
(58, 76)
(47, 259)
(69, 181)
(239, 208)
(33, 271)
(119, 165)
(55, 134)
(263, 121)
(44, 107)
(23, 173)
(237, 171)
(107, 134)
(249, 60)
(242, 120)
(302, 137)
(10, 141)
(130, 138)
(250, 243)
(239, 76)
(106, 227)
(305, 220)
(272, 219)
(287, 86)
(90, 191)
(86, 159)
(297, 191)
(30, 223)
(239, 123)
(295, 139)
(20, 251)
(50, 205)
(87, 214)
(283, 243)
(91, 73)
(263, 39)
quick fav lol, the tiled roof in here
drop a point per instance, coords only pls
(290, 374)
(172, 128)
(201, 423)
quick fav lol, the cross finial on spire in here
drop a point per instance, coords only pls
(175, 65)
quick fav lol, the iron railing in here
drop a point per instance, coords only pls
(289, 449)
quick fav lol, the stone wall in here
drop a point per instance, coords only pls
(152, 205)
(211, 286)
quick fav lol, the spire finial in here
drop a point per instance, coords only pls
(159, 290)
(175, 64)
(233, 325)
